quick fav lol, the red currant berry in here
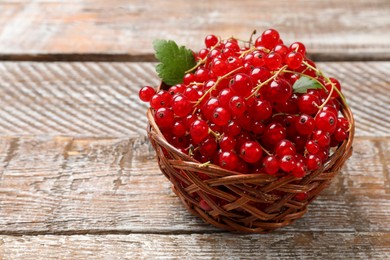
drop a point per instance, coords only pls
(273, 60)
(227, 143)
(322, 138)
(312, 147)
(164, 117)
(201, 74)
(209, 106)
(294, 60)
(257, 127)
(146, 93)
(260, 74)
(208, 147)
(228, 160)
(298, 47)
(179, 128)
(271, 164)
(269, 38)
(251, 151)
(237, 105)
(340, 134)
(305, 124)
(219, 67)
(188, 78)
(181, 105)
(199, 130)
(285, 147)
(302, 196)
(232, 128)
(210, 40)
(287, 163)
(241, 84)
(161, 99)
(281, 49)
(313, 162)
(308, 104)
(279, 90)
(326, 121)
(261, 110)
(221, 116)
(273, 133)
(299, 170)
(342, 123)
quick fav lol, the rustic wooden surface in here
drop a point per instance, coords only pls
(78, 177)
(353, 29)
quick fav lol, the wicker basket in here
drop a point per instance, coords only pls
(255, 203)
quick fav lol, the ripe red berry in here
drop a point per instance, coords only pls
(199, 130)
(261, 110)
(322, 138)
(294, 60)
(285, 147)
(308, 104)
(161, 99)
(326, 121)
(271, 164)
(269, 39)
(313, 162)
(273, 60)
(241, 84)
(251, 151)
(228, 160)
(287, 163)
(221, 116)
(210, 40)
(237, 105)
(305, 124)
(227, 143)
(279, 90)
(298, 47)
(273, 133)
(146, 93)
(181, 105)
(164, 117)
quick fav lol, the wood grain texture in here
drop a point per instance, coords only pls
(101, 99)
(199, 246)
(66, 185)
(330, 29)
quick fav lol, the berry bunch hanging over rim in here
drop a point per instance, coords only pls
(248, 106)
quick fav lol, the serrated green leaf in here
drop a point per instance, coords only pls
(304, 83)
(174, 61)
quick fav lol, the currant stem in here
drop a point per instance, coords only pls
(216, 84)
(215, 134)
(202, 61)
(328, 81)
(258, 87)
(265, 150)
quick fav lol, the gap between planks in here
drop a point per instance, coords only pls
(122, 57)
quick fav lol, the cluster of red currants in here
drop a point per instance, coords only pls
(240, 108)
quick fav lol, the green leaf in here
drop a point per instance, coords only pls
(174, 61)
(304, 83)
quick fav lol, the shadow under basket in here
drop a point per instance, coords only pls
(252, 203)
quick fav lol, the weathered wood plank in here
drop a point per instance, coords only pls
(101, 99)
(199, 246)
(331, 29)
(69, 185)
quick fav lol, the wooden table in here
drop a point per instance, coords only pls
(78, 177)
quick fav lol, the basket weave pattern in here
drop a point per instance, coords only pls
(254, 203)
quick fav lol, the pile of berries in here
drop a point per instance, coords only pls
(240, 108)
